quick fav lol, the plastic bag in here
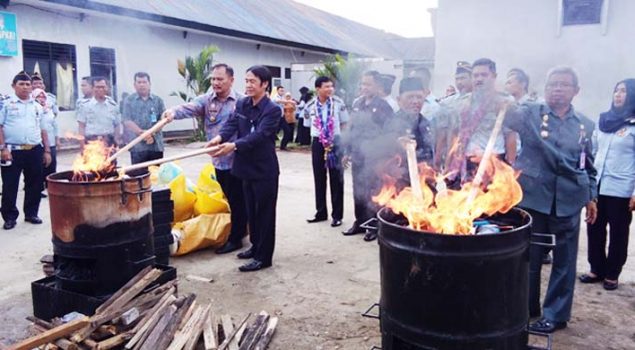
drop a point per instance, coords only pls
(183, 199)
(209, 195)
(202, 232)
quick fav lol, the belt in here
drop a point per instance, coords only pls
(24, 147)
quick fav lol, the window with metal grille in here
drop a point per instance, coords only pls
(102, 64)
(56, 63)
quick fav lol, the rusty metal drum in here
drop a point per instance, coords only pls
(102, 230)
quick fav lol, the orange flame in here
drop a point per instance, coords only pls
(92, 162)
(453, 211)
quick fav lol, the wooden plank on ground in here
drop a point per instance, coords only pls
(51, 335)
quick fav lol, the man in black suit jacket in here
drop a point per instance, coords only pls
(255, 122)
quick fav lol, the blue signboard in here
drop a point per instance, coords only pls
(8, 34)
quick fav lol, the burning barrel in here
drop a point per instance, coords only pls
(445, 291)
(102, 230)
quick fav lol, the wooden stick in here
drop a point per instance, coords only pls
(229, 338)
(256, 330)
(62, 343)
(209, 333)
(139, 138)
(116, 303)
(198, 329)
(182, 335)
(123, 289)
(167, 333)
(143, 328)
(266, 337)
(124, 170)
(413, 170)
(113, 342)
(487, 154)
(155, 335)
(234, 343)
(51, 334)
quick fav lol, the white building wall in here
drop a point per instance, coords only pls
(525, 34)
(139, 46)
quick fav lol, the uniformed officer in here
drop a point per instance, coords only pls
(369, 114)
(25, 147)
(255, 122)
(558, 179)
(326, 115)
(441, 122)
(141, 111)
(215, 108)
(471, 123)
(100, 117)
(38, 83)
(86, 87)
(409, 122)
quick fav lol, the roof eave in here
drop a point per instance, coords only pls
(141, 15)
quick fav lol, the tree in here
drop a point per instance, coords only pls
(196, 71)
(345, 73)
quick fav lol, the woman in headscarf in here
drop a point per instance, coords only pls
(615, 162)
(50, 125)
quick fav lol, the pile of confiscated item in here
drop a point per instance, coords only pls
(136, 317)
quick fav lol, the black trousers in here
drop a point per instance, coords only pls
(559, 296)
(233, 190)
(365, 185)
(614, 212)
(29, 162)
(52, 168)
(144, 156)
(303, 135)
(287, 133)
(261, 197)
(336, 181)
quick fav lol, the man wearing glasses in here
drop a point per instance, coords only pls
(558, 179)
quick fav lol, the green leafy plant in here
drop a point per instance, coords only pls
(345, 72)
(196, 73)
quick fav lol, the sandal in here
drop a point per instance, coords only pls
(587, 278)
(610, 285)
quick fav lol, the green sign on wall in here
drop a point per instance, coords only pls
(8, 34)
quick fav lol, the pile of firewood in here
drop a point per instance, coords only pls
(137, 319)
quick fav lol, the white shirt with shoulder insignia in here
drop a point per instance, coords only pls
(100, 118)
(340, 115)
(22, 121)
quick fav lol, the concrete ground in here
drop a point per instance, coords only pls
(320, 282)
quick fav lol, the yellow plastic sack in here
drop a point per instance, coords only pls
(202, 232)
(183, 199)
(207, 180)
(209, 195)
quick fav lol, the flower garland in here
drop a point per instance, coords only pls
(326, 132)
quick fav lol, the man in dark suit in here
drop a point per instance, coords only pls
(370, 113)
(255, 122)
(558, 180)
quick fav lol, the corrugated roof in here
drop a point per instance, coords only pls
(280, 20)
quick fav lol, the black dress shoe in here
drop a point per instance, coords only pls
(9, 224)
(254, 265)
(545, 326)
(315, 219)
(228, 248)
(247, 254)
(608, 285)
(370, 236)
(354, 230)
(33, 219)
(586, 278)
(336, 223)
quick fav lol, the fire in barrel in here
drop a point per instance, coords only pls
(454, 263)
(101, 223)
